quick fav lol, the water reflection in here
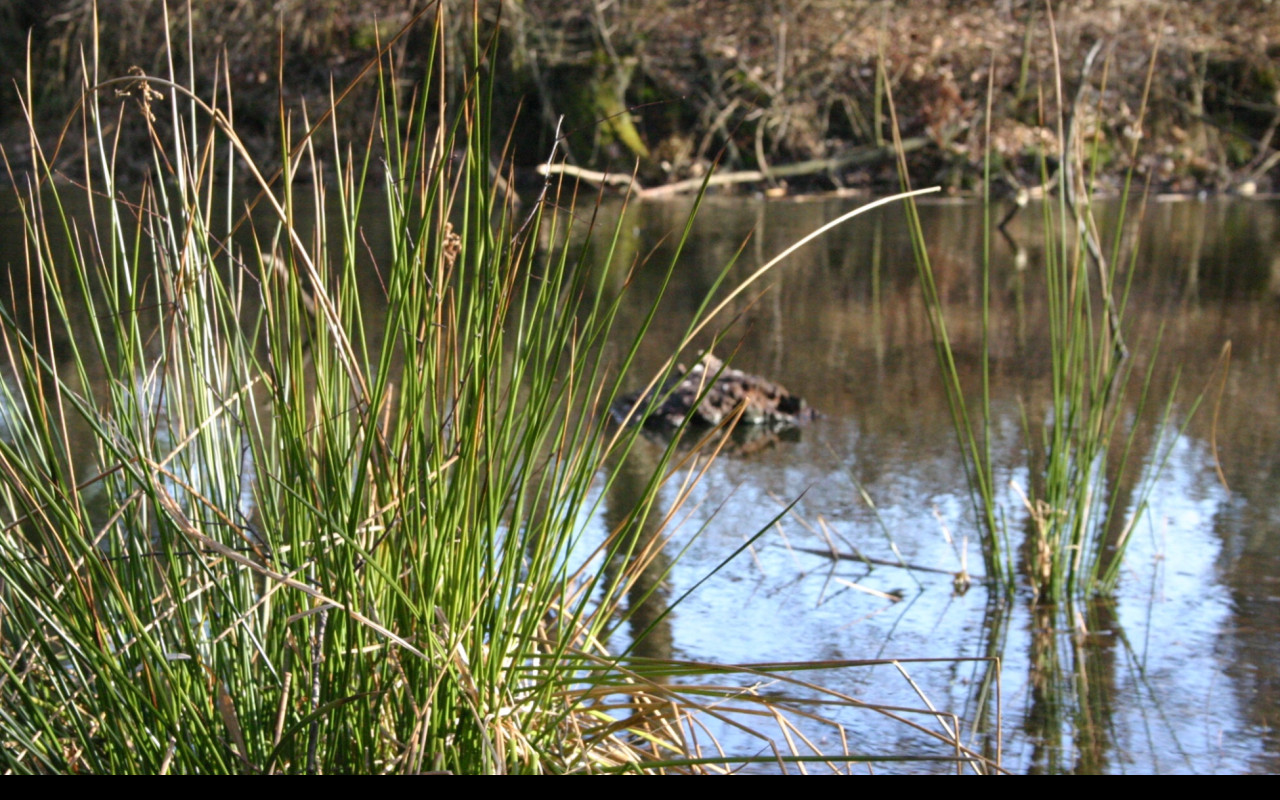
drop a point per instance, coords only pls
(1177, 674)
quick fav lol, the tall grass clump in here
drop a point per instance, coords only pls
(258, 521)
(1080, 446)
(251, 527)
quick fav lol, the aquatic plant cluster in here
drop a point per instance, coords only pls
(1076, 516)
(300, 540)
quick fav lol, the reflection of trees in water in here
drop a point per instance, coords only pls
(1073, 681)
(644, 531)
(1248, 522)
(642, 537)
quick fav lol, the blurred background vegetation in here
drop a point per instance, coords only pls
(675, 84)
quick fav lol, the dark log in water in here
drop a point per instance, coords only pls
(709, 393)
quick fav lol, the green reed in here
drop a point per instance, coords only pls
(250, 527)
(1077, 514)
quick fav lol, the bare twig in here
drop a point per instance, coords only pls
(1071, 185)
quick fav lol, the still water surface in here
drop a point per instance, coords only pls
(1178, 674)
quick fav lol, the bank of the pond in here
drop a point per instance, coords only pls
(797, 94)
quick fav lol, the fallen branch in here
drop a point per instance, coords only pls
(836, 555)
(815, 167)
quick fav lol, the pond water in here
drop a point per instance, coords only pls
(1176, 674)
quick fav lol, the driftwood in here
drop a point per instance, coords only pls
(961, 580)
(853, 158)
(711, 393)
